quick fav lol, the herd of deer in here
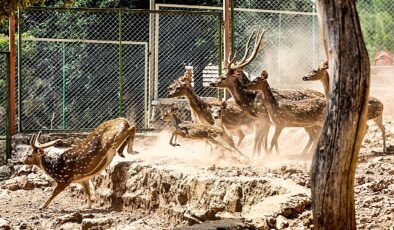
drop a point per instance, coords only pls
(255, 105)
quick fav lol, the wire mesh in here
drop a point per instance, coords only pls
(291, 45)
(3, 92)
(82, 67)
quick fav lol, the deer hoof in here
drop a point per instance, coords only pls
(42, 207)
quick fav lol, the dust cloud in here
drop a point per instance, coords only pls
(196, 153)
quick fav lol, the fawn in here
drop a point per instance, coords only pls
(209, 133)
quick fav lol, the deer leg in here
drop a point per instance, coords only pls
(86, 189)
(240, 135)
(261, 132)
(312, 136)
(274, 141)
(122, 147)
(228, 139)
(172, 138)
(379, 123)
(222, 144)
(58, 189)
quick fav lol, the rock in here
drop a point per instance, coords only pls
(99, 223)
(281, 222)
(232, 199)
(4, 224)
(364, 219)
(261, 223)
(70, 226)
(24, 183)
(391, 172)
(75, 217)
(5, 171)
(378, 186)
(230, 224)
(391, 189)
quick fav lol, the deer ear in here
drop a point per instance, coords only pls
(325, 64)
(264, 74)
(238, 70)
(189, 75)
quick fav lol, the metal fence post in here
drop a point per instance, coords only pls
(64, 88)
(19, 72)
(7, 105)
(220, 58)
(120, 79)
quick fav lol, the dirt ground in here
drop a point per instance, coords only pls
(28, 188)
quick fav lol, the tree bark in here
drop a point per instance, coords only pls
(334, 162)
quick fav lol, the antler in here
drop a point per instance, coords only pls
(246, 61)
(36, 144)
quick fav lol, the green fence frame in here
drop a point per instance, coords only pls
(119, 11)
(7, 102)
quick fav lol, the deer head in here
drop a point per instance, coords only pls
(318, 74)
(166, 115)
(259, 82)
(34, 158)
(216, 110)
(179, 87)
(235, 68)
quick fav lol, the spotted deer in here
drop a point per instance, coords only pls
(304, 112)
(234, 79)
(85, 160)
(375, 106)
(233, 117)
(208, 133)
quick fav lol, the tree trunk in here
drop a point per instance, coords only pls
(335, 160)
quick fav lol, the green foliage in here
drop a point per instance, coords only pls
(377, 23)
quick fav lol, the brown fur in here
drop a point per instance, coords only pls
(306, 111)
(375, 106)
(80, 163)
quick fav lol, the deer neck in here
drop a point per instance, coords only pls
(243, 97)
(175, 121)
(269, 99)
(326, 84)
(195, 101)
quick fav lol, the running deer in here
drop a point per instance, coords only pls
(375, 106)
(305, 112)
(84, 161)
(209, 133)
(233, 117)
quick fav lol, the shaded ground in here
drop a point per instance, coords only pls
(232, 190)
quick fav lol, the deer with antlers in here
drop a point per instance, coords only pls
(375, 106)
(232, 117)
(250, 101)
(84, 161)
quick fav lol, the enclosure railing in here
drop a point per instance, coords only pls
(80, 67)
(4, 101)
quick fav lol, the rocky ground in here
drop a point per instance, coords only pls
(166, 188)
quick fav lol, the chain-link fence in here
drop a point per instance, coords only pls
(82, 67)
(5, 141)
(3, 92)
(292, 44)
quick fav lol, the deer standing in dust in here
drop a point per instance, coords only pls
(209, 133)
(304, 112)
(84, 161)
(375, 106)
(233, 117)
(234, 79)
